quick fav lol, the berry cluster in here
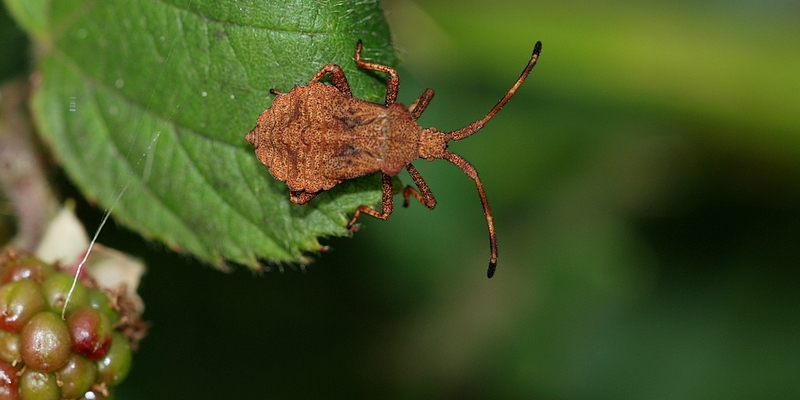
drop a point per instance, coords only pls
(42, 356)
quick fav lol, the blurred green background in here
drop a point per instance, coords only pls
(645, 184)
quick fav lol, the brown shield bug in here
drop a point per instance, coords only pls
(317, 135)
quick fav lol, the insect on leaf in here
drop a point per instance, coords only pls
(151, 100)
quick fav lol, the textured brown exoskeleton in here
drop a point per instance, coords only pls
(316, 136)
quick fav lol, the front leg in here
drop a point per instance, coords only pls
(386, 205)
(424, 195)
(418, 106)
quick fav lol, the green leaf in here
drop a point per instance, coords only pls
(13, 47)
(152, 99)
(30, 14)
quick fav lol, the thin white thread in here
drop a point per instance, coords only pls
(145, 175)
(148, 165)
(89, 250)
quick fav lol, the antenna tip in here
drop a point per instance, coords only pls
(537, 48)
(492, 267)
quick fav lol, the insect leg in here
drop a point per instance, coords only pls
(338, 78)
(392, 86)
(424, 195)
(418, 106)
(477, 125)
(386, 204)
(301, 196)
(473, 174)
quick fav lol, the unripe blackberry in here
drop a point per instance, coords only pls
(9, 346)
(77, 376)
(114, 367)
(90, 332)
(55, 289)
(9, 382)
(38, 385)
(43, 356)
(99, 301)
(19, 302)
(45, 342)
(26, 268)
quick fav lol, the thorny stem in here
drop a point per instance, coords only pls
(21, 167)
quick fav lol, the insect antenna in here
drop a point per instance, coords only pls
(477, 125)
(468, 169)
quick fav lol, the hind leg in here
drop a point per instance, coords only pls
(387, 205)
